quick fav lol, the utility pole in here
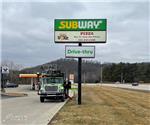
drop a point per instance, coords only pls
(2, 83)
(66, 75)
(121, 78)
(101, 72)
(4, 77)
(84, 77)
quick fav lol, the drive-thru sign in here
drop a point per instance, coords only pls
(80, 31)
(82, 51)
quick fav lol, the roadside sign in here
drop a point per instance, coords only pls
(71, 76)
(80, 51)
(80, 30)
(5, 70)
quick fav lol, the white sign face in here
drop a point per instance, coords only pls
(82, 36)
(5, 70)
(71, 76)
(80, 51)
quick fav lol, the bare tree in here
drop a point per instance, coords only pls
(11, 65)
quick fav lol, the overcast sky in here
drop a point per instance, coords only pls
(28, 30)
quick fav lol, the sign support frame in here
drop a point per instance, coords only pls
(79, 78)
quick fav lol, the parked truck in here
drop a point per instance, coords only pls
(52, 85)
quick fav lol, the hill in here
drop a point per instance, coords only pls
(69, 66)
(91, 70)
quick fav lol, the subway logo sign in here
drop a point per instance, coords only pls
(80, 24)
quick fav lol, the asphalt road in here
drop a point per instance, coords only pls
(27, 110)
(141, 87)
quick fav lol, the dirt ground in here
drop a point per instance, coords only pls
(106, 106)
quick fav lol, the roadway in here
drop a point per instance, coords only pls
(140, 87)
(27, 110)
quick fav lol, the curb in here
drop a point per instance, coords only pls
(14, 94)
(56, 112)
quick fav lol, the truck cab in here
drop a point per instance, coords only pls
(52, 86)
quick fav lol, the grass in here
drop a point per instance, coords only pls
(106, 106)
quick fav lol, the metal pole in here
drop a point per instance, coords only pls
(79, 77)
(2, 83)
(121, 77)
(84, 77)
(101, 73)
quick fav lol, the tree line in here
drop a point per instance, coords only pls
(91, 71)
(127, 72)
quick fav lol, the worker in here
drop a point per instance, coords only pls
(65, 89)
(68, 86)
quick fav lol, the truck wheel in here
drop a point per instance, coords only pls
(62, 98)
(41, 99)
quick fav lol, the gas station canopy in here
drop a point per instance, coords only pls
(28, 75)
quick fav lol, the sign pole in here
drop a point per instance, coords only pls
(2, 83)
(79, 77)
(4, 77)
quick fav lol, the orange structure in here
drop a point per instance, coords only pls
(28, 75)
(34, 80)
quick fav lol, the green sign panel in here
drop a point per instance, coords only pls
(80, 25)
